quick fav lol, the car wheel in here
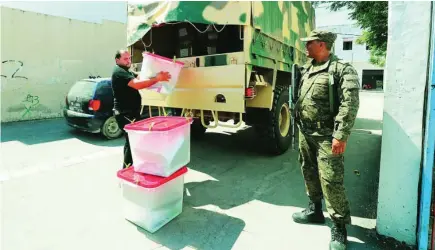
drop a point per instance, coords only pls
(110, 128)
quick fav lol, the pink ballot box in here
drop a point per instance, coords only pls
(151, 201)
(160, 145)
(153, 64)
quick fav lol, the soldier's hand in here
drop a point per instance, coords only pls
(338, 147)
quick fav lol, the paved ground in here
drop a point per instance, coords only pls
(60, 192)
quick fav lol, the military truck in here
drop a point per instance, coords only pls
(238, 61)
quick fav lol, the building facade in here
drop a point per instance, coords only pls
(346, 47)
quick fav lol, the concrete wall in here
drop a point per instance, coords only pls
(50, 54)
(406, 77)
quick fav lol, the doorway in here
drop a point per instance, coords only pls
(372, 79)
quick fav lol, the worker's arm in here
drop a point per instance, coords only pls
(142, 84)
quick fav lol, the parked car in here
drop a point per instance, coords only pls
(89, 107)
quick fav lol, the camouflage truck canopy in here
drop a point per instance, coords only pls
(285, 21)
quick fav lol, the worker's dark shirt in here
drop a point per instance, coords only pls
(126, 99)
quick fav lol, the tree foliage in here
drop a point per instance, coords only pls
(372, 17)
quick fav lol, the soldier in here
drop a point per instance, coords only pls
(327, 105)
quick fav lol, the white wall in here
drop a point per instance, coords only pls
(51, 53)
(406, 72)
(349, 33)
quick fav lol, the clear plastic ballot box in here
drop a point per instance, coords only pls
(160, 145)
(153, 64)
(150, 202)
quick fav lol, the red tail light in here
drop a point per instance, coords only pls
(94, 105)
(250, 92)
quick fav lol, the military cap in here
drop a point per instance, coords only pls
(320, 35)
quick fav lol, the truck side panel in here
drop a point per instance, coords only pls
(217, 88)
(285, 21)
(265, 51)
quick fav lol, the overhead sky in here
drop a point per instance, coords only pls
(94, 11)
(80, 10)
(325, 17)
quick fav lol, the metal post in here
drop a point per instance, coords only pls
(429, 148)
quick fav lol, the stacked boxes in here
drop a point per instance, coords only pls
(153, 186)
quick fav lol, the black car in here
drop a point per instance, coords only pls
(89, 107)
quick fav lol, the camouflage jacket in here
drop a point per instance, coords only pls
(313, 109)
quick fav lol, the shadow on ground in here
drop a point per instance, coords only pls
(244, 174)
(43, 131)
(199, 229)
(367, 124)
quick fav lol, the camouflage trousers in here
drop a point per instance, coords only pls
(323, 173)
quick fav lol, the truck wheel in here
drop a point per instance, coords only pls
(276, 125)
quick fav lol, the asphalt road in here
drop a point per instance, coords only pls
(59, 191)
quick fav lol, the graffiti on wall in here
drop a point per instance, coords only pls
(16, 66)
(30, 103)
(30, 107)
(24, 104)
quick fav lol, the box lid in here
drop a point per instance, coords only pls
(158, 123)
(147, 180)
(162, 58)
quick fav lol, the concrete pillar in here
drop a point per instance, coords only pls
(405, 80)
(360, 72)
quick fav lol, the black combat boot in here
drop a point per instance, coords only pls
(338, 237)
(312, 214)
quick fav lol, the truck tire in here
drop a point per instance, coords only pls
(275, 129)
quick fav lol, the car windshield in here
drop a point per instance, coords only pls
(83, 89)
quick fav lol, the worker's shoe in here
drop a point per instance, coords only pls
(312, 214)
(338, 237)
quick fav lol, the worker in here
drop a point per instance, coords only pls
(127, 100)
(325, 122)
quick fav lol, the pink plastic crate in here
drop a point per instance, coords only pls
(160, 145)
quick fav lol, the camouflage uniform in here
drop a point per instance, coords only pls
(318, 124)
